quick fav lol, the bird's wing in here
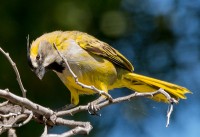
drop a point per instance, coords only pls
(100, 48)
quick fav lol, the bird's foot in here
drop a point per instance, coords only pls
(93, 108)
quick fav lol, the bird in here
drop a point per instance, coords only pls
(95, 63)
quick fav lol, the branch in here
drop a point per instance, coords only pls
(75, 110)
(36, 111)
(169, 112)
(54, 117)
(77, 130)
(16, 71)
(25, 102)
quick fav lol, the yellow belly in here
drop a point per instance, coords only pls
(90, 69)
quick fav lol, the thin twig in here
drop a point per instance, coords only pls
(80, 130)
(44, 134)
(16, 72)
(25, 121)
(17, 119)
(8, 115)
(77, 81)
(169, 112)
(106, 103)
(79, 127)
(4, 103)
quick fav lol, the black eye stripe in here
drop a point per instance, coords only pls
(55, 66)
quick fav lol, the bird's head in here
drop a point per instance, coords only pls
(42, 57)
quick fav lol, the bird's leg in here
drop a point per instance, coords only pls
(92, 106)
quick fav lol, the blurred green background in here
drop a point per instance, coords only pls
(161, 39)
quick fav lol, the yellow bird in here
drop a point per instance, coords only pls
(95, 63)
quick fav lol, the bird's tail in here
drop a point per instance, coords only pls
(140, 83)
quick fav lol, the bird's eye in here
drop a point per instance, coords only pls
(38, 57)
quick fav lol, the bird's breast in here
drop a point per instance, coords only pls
(90, 69)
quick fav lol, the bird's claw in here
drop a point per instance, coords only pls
(93, 109)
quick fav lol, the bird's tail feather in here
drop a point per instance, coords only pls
(140, 83)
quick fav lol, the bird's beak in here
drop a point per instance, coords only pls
(40, 71)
